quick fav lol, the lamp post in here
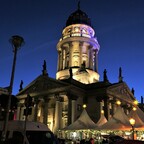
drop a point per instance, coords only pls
(16, 42)
(132, 122)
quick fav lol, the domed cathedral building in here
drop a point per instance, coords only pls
(78, 50)
(59, 102)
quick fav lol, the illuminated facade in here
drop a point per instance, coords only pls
(58, 102)
(78, 49)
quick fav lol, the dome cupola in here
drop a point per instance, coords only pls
(78, 49)
(78, 17)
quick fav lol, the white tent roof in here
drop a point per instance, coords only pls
(102, 120)
(119, 121)
(18, 125)
(83, 122)
(138, 115)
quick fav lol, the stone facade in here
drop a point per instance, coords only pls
(59, 102)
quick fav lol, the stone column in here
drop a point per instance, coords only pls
(64, 58)
(80, 54)
(70, 54)
(90, 59)
(57, 113)
(36, 102)
(45, 110)
(71, 107)
(73, 110)
(21, 114)
(58, 63)
(88, 53)
(96, 61)
(74, 48)
(18, 111)
(67, 57)
(106, 108)
(60, 112)
(60, 60)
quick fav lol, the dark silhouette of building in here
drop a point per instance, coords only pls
(3, 104)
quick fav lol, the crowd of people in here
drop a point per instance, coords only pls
(83, 141)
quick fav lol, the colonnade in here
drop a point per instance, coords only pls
(77, 51)
(44, 105)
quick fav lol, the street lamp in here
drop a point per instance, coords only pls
(17, 42)
(132, 122)
(84, 106)
(118, 102)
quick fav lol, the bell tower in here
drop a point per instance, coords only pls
(78, 49)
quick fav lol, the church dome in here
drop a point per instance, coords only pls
(78, 17)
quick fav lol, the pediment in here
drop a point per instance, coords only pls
(41, 84)
(121, 90)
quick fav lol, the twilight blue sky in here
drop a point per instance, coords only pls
(119, 27)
